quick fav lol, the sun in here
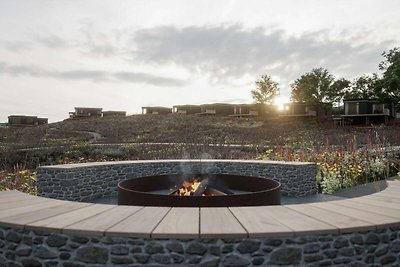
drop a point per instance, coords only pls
(279, 101)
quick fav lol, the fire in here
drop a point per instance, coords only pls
(188, 188)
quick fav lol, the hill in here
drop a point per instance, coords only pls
(192, 129)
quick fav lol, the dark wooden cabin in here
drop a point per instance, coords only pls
(156, 110)
(25, 121)
(247, 110)
(83, 112)
(301, 109)
(217, 109)
(187, 109)
(112, 113)
(367, 111)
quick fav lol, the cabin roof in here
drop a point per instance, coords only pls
(88, 108)
(22, 116)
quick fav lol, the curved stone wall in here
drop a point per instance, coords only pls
(86, 181)
(31, 248)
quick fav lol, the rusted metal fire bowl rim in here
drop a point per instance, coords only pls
(154, 191)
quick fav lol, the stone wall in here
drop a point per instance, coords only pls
(29, 248)
(83, 182)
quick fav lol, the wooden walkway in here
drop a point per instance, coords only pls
(371, 212)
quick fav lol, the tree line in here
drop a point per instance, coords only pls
(319, 85)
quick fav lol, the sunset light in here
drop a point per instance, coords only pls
(279, 101)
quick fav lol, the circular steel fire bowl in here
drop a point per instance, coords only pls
(215, 190)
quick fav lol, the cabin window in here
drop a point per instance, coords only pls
(352, 108)
(377, 108)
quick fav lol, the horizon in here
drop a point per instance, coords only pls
(124, 55)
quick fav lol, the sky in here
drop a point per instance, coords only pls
(122, 55)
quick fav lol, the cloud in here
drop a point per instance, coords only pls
(226, 52)
(15, 46)
(147, 78)
(53, 41)
(96, 76)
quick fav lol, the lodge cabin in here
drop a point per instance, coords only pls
(247, 110)
(156, 110)
(217, 109)
(367, 111)
(302, 109)
(25, 121)
(83, 112)
(186, 109)
(111, 113)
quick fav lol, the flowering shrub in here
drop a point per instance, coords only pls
(338, 168)
(20, 179)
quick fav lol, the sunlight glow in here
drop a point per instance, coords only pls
(279, 101)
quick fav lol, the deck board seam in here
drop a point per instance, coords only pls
(237, 219)
(130, 214)
(340, 214)
(319, 220)
(157, 224)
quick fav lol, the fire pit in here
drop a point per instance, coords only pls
(212, 190)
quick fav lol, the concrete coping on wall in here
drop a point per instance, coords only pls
(110, 163)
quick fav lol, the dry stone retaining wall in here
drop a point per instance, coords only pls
(83, 182)
(30, 248)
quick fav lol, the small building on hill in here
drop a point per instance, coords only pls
(186, 109)
(111, 113)
(156, 110)
(25, 121)
(302, 109)
(367, 111)
(84, 112)
(217, 109)
(247, 110)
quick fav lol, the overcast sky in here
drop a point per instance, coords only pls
(121, 55)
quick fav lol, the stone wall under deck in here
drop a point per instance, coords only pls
(30, 248)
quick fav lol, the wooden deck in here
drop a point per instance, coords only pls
(371, 212)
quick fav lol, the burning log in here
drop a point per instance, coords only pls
(201, 188)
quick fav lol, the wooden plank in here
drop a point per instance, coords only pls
(14, 196)
(220, 222)
(140, 224)
(387, 193)
(20, 220)
(383, 198)
(10, 192)
(372, 218)
(58, 222)
(300, 224)
(344, 224)
(35, 205)
(21, 202)
(381, 210)
(393, 183)
(258, 222)
(378, 202)
(102, 221)
(179, 223)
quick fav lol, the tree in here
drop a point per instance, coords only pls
(389, 86)
(314, 87)
(338, 89)
(363, 87)
(266, 89)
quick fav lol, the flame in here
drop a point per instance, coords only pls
(188, 188)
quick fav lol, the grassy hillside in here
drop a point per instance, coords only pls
(345, 156)
(193, 129)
